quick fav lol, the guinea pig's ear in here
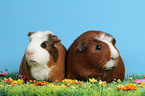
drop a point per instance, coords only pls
(113, 41)
(83, 46)
(53, 39)
(30, 33)
(53, 42)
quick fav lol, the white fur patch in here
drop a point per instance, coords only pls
(39, 57)
(114, 53)
(110, 64)
(40, 72)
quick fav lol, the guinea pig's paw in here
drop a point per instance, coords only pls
(110, 65)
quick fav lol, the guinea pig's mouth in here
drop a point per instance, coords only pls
(32, 61)
(110, 65)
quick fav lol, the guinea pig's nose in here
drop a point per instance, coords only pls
(30, 53)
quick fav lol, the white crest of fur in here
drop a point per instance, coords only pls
(40, 56)
(114, 52)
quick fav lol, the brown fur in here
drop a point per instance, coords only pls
(84, 62)
(25, 69)
(57, 59)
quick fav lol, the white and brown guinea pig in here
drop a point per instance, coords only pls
(44, 58)
(94, 55)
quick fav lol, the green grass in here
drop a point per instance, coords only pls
(87, 89)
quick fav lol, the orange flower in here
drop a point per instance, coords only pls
(41, 83)
(127, 87)
(8, 81)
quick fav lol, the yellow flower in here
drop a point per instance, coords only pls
(103, 83)
(73, 87)
(114, 82)
(120, 87)
(19, 81)
(25, 84)
(93, 80)
(1, 86)
(130, 79)
(51, 85)
(32, 85)
(67, 81)
(119, 81)
(63, 86)
(70, 82)
(142, 84)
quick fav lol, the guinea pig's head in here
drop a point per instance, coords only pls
(98, 50)
(42, 46)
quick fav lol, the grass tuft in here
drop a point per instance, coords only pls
(84, 89)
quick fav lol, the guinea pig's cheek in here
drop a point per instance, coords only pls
(43, 57)
(110, 65)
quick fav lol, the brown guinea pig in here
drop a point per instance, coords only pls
(44, 58)
(94, 55)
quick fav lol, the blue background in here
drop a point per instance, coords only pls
(124, 19)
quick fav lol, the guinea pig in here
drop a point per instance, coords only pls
(44, 57)
(94, 55)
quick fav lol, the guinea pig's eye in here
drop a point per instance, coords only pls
(43, 45)
(98, 47)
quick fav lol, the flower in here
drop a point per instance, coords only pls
(120, 87)
(26, 84)
(22, 77)
(119, 81)
(51, 85)
(114, 82)
(142, 84)
(70, 82)
(103, 83)
(41, 83)
(62, 86)
(3, 74)
(139, 80)
(114, 79)
(127, 87)
(1, 86)
(30, 80)
(73, 87)
(56, 86)
(130, 87)
(130, 79)
(19, 81)
(8, 81)
(93, 80)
